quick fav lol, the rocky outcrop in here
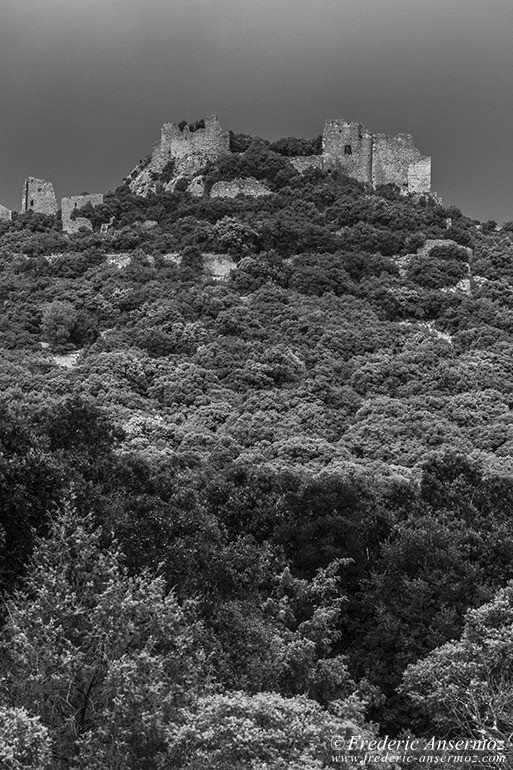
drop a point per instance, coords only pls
(197, 187)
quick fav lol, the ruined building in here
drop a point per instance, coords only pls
(374, 158)
(38, 196)
(5, 214)
(181, 151)
(68, 206)
(184, 150)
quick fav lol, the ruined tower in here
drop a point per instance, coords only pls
(351, 144)
(374, 158)
(38, 196)
(186, 150)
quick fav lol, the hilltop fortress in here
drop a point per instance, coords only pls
(377, 159)
(184, 150)
(373, 158)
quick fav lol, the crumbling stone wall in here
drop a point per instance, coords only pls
(208, 142)
(351, 144)
(68, 206)
(419, 175)
(432, 243)
(391, 159)
(247, 186)
(322, 162)
(38, 196)
(5, 214)
(189, 150)
(374, 158)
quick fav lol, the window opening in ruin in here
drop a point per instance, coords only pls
(348, 150)
(32, 202)
(39, 189)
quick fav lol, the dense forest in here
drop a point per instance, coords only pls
(246, 520)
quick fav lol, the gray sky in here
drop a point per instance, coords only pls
(86, 84)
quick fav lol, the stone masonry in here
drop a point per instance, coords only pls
(5, 214)
(38, 196)
(188, 150)
(247, 186)
(351, 145)
(68, 205)
(377, 159)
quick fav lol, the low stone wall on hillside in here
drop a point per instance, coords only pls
(247, 186)
(218, 266)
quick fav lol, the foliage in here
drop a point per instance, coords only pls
(466, 685)
(315, 446)
(291, 146)
(24, 742)
(235, 730)
(104, 659)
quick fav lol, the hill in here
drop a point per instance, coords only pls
(328, 418)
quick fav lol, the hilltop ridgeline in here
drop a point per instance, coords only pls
(185, 151)
(376, 159)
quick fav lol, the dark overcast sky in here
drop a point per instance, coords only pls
(86, 84)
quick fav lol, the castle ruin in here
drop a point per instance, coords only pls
(38, 196)
(75, 202)
(377, 159)
(184, 150)
(5, 214)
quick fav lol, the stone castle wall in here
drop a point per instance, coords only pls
(373, 158)
(68, 206)
(376, 159)
(210, 141)
(419, 175)
(391, 158)
(5, 214)
(247, 186)
(189, 150)
(306, 162)
(38, 196)
(351, 144)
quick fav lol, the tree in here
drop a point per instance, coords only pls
(467, 686)
(24, 742)
(105, 660)
(264, 731)
(58, 321)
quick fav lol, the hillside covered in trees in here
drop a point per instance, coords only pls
(246, 519)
